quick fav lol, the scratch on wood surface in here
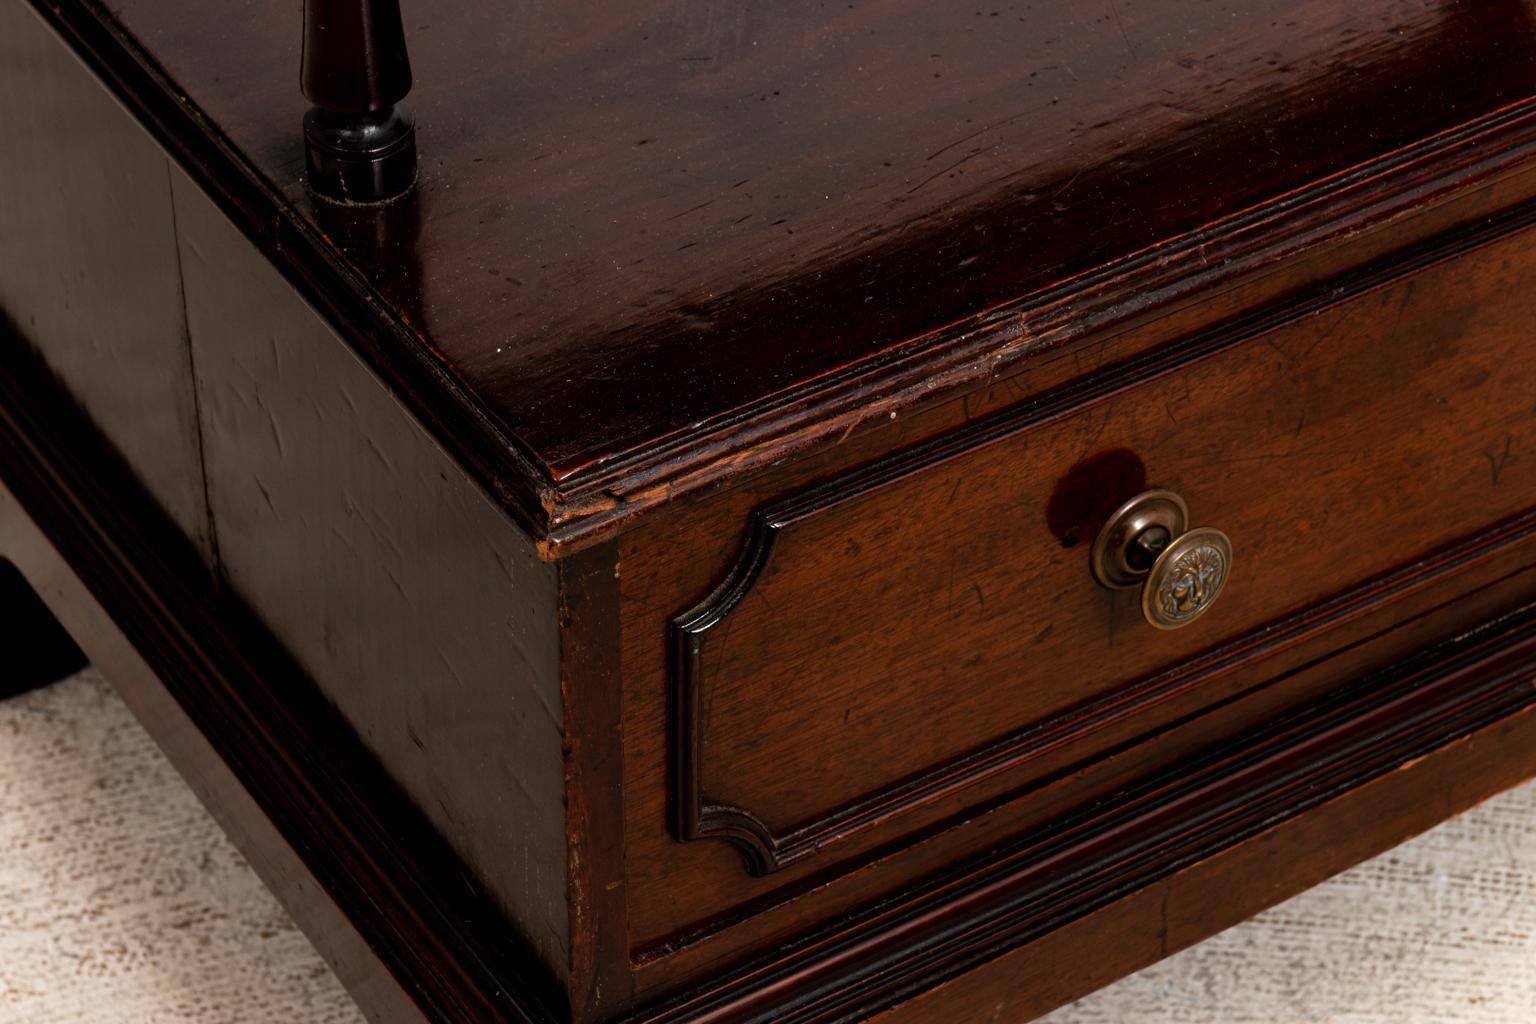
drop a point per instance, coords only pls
(1129, 49)
(1496, 464)
(978, 132)
(973, 154)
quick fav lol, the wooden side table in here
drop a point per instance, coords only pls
(780, 514)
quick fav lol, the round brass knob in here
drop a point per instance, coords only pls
(1181, 572)
(1187, 578)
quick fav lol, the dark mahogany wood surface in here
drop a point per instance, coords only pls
(1393, 430)
(307, 491)
(694, 908)
(941, 605)
(88, 261)
(643, 226)
(422, 614)
(1340, 830)
(397, 912)
(1236, 799)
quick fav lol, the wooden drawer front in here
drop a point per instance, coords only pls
(891, 638)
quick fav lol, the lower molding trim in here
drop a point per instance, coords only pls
(1384, 723)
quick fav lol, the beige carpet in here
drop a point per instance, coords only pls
(122, 903)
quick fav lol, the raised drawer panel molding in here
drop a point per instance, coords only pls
(889, 639)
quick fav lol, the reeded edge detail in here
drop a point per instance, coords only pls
(1162, 274)
(1376, 726)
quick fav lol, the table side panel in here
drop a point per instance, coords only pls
(88, 261)
(419, 609)
(416, 605)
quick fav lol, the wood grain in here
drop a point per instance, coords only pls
(1274, 265)
(88, 251)
(419, 610)
(1385, 725)
(600, 978)
(1245, 689)
(1218, 891)
(337, 512)
(851, 653)
(1019, 133)
(528, 306)
(339, 841)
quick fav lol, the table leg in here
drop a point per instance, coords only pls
(34, 649)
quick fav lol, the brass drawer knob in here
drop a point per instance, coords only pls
(1146, 543)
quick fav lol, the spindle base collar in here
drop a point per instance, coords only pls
(360, 158)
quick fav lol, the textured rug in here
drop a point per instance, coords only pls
(122, 903)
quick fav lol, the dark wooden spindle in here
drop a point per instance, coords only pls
(359, 138)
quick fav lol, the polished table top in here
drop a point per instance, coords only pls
(642, 227)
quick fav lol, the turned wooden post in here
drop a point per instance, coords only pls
(359, 138)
